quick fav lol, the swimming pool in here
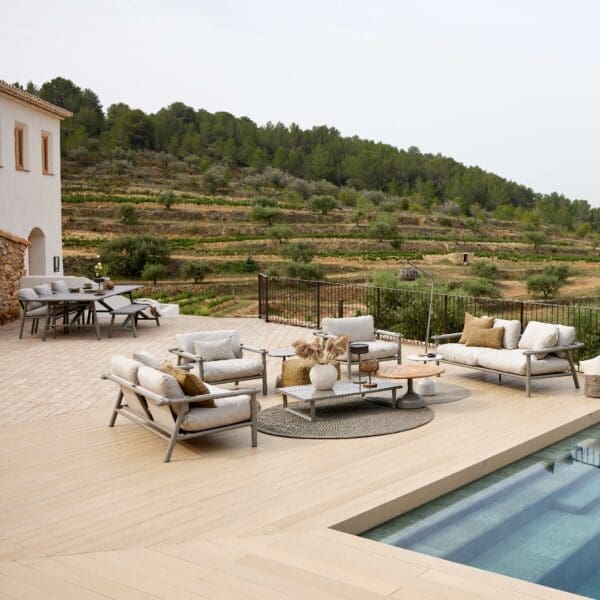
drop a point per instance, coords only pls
(536, 519)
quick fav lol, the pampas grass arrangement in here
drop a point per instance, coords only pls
(319, 354)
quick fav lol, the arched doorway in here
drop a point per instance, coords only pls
(37, 252)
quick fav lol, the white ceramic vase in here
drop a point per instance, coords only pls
(323, 376)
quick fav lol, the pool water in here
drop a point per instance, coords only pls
(537, 519)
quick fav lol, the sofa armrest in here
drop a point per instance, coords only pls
(446, 336)
(182, 354)
(253, 349)
(576, 346)
(383, 332)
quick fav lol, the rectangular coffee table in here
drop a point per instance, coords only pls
(341, 389)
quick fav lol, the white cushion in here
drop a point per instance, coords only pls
(512, 332)
(221, 370)
(566, 337)
(127, 369)
(466, 355)
(227, 412)
(43, 290)
(358, 329)
(185, 341)
(29, 294)
(379, 349)
(514, 361)
(591, 366)
(147, 359)
(538, 336)
(60, 287)
(160, 383)
(40, 311)
(214, 349)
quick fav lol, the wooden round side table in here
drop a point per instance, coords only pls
(410, 372)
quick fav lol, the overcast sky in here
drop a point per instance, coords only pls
(510, 85)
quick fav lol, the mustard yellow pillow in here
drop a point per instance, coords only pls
(486, 338)
(472, 322)
(190, 384)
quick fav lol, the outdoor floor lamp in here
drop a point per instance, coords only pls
(429, 276)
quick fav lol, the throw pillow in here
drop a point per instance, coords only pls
(512, 332)
(43, 290)
(190, 384)
(59, 287)
(472, 322)
(214, 349)
(486, 338)
(538, 336)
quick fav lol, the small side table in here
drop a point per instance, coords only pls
(411, 399)
(425, 386)
(282, 353)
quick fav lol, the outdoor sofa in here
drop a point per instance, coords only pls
(383, 345)
(155, 400)
(542, 351)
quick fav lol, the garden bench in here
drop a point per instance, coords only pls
(132, 314)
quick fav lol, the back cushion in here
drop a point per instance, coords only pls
(512, 332)
(185, 341)
(29, 294)
(358, 329)
(160, 383)
(60, 287)
(43, 290)
(538, 336)
(127, 369)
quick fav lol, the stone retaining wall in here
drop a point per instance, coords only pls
(12, 267)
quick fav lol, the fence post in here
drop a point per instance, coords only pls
(445, 315)
(340, 309)
(378, 308)
(522, 315)
(318, 299)
(266, 298)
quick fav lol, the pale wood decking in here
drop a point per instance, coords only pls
(92, 512)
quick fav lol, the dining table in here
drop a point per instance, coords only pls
(78, 303)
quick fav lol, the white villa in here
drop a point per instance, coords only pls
(30, 191)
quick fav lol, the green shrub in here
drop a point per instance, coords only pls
(127, 214)
(265, 210)
(127, 255)
(323, 204)
(167, 199)
(485, 270)
(280, 233)
(153, 272)
(299, 252)
(303, 270)
(479, 288)
(195, 270)
(561, 272)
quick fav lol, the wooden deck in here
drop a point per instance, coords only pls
(88, 512)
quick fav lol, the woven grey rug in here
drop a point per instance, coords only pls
(447, 392)
(337, 419)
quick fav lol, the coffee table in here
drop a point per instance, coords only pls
(425, 386)
(341, 389)
(410, 372)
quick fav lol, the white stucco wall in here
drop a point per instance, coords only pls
(30, 199)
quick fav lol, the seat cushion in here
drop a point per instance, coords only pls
(227, 412)
(222, 370)
(512, 332)
(460, 353)
(378, 349)
(514, 361)
(37, 312)
(29, 295)
(185, 341)
(60, 286)
(43, 290)
(358, 329)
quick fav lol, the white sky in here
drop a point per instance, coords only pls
(510, 85)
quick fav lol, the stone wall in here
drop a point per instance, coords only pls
(12, 266)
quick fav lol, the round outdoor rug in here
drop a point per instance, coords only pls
(447, 392)
(337, 419)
